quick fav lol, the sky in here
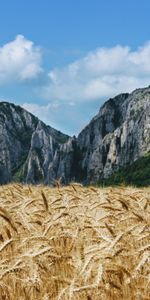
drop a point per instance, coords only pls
(62, 59)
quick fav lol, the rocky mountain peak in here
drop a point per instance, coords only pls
(118, 135)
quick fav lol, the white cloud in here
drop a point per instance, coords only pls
(20, 59)
(102, 73)
(63, 116)
(43, 112)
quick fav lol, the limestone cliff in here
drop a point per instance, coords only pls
(117, 136)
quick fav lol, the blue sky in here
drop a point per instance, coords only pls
(61, 59)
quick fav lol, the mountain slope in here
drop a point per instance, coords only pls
(27, 145)
(137, 174)
(116, 137)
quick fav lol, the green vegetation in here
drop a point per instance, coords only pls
(38, 176)
(61, 138)
(137, 174)
(18, 171)
(132, 112)
(38, 152)
(24, 137)
(135, 114)
(19, 175)
(76, 167)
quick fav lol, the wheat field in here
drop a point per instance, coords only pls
(74, 243)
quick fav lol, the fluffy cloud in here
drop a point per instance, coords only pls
(40, 110)
(100, 74)
(65, 117)
(19, 60)
(47, 112)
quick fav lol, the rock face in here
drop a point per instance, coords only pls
(117, 136)
(27, 145)
(32, 152)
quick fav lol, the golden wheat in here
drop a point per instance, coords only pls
(74, 243)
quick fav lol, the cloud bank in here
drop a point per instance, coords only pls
(68, 97)
(100, 74)
(20, 60)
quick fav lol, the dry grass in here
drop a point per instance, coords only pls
(75, 243)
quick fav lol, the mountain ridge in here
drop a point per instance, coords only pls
(116, 137)
(17, 129)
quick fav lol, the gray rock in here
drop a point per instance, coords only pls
(27, 145)
(117, 136)
(32, 152)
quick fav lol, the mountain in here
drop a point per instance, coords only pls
(138, 173)
(115, 138)
(27, 145)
